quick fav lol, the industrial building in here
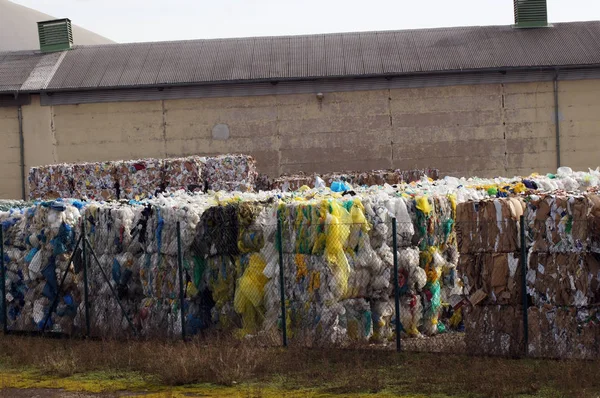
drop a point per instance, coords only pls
(484, 100)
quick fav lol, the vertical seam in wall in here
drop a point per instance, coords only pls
(53, 132)
(277, 123)
(391, 129)
(503, 119)
(22, 153)
(164, 126)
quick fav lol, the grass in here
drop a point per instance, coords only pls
(222, 367)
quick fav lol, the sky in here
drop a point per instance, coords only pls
(158, 20)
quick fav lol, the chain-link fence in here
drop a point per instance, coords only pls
(122, 271)
(277, 275)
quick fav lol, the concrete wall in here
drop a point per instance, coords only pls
(484, 130)
(10, 170)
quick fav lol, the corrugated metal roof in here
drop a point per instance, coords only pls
(15, 68)
(312, 57)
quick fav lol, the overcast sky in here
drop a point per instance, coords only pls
(156, 20)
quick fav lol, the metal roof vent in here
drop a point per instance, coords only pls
(55, 35)
(530, 14)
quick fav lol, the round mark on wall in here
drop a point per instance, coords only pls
(220, 132)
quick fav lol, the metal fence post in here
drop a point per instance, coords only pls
(524, 284)
(396, 287)
(86, 301)
(3, 281)
(281, 280)
(181, 290)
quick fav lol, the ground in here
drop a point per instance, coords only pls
(36, 367)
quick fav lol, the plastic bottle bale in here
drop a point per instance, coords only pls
(249, 295)
(96, 181)
(411, 278)
(357, 320)
(109, 227)
(250, 236)
(222, 277)
(398, 208)
(383, 313)
(411, 314)
(217, 232)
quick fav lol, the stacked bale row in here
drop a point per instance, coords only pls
(338, 264)
(563, 276)
(356, 178)
(490, 268)
(136, 179)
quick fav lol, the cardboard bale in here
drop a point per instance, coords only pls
(494, 330)
(498, 275)
(489, 225)
(183, 173)
(558, 223)
(593, 222)
(139, 178)
(565, 333)
(96, 181)
(564, 279)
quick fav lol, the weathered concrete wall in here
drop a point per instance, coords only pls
(10, 171)
(483, 130)
(579, 103)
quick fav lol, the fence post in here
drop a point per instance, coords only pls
(86, 301)
(396, 287)
(3, 281)
(524, 268)
(281, 280)
(181, 290)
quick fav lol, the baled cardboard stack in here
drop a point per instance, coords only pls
(490, 267)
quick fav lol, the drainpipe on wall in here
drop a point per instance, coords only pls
(22, 149)
(556, 118)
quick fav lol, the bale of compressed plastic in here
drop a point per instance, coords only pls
(38, 244)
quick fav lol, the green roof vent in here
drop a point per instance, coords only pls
(530, 14)
(55, 35)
